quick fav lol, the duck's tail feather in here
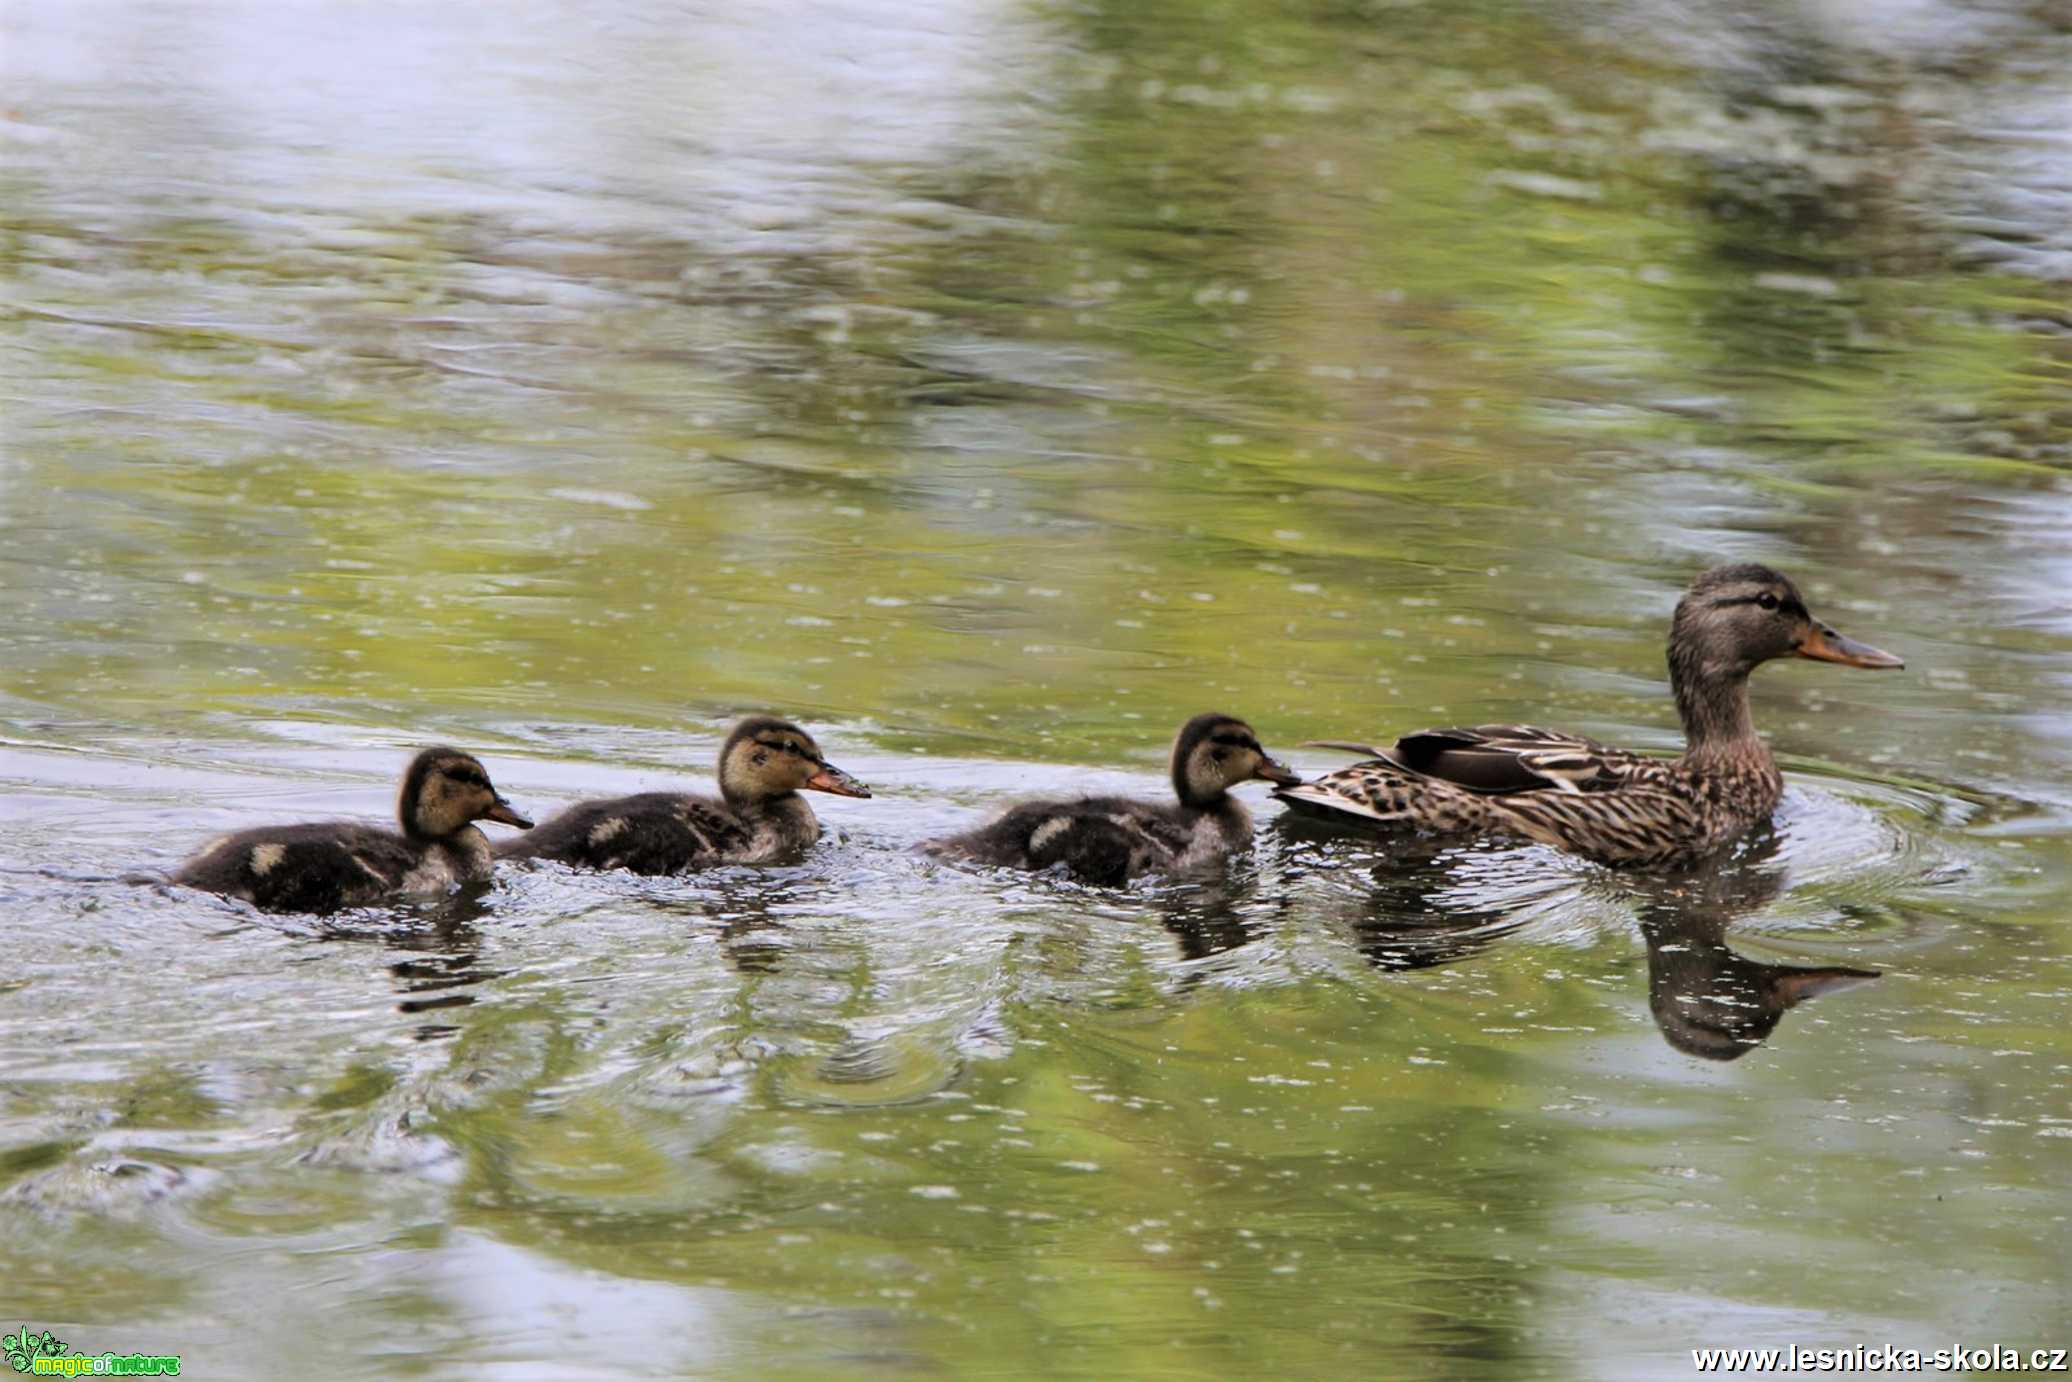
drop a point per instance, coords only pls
(1346, 746)
(1316, 800)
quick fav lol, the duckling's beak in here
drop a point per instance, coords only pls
(504, 812)
(1277, 772)
(1823, 644)
(833, 779)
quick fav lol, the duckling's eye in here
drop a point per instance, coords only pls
(1220, 754)
(1766, 600)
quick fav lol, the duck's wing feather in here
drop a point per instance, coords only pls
(1646, 820)
(1466, 778)
(1500, 759)
(649, 833)
(1383, 791)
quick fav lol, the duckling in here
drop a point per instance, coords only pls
(1610, 804)
(763, 766)
(1110, 840)
(332, 864)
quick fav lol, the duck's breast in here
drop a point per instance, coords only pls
(446, 864)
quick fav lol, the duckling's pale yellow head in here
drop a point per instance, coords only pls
(446, 790)
(767, 757)
(1214, 753)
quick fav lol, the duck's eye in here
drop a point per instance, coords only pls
(1766, 600)
(1219, 754)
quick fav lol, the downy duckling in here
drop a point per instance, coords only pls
(332, 864)
(1110, 840)
(763, 766)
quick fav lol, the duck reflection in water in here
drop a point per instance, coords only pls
(1431, 904)
(1212, 916)
(1414, 902)
(757, 911)
(436, 947)
(763, 913)
(1709, 999)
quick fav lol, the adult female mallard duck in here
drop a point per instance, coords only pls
(1609, 804)
(1110, 840)
(763, 766)
(333, 864)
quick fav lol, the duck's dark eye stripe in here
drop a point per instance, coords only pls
(782, 746)
(1780, 603)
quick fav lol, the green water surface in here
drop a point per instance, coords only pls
(990, 386)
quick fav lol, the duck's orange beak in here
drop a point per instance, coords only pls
(504, 812)
(1823, 644)
(833, 779)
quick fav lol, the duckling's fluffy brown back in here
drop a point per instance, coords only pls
(666, 832)
(330, 864)
(1106, 841)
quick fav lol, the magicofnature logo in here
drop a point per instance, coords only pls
(49, 1356)
(23, 1348)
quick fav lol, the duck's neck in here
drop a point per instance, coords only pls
(1230, 814)
(1713, 700)
(467, 845)
(1234, 817)
(786, 813)
(1192, 798)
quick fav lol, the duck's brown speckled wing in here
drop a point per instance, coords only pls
(303, 868)
(651, 833)
(1384, 792)
(1485, 761)
(1560, 789)
(1514, 758)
